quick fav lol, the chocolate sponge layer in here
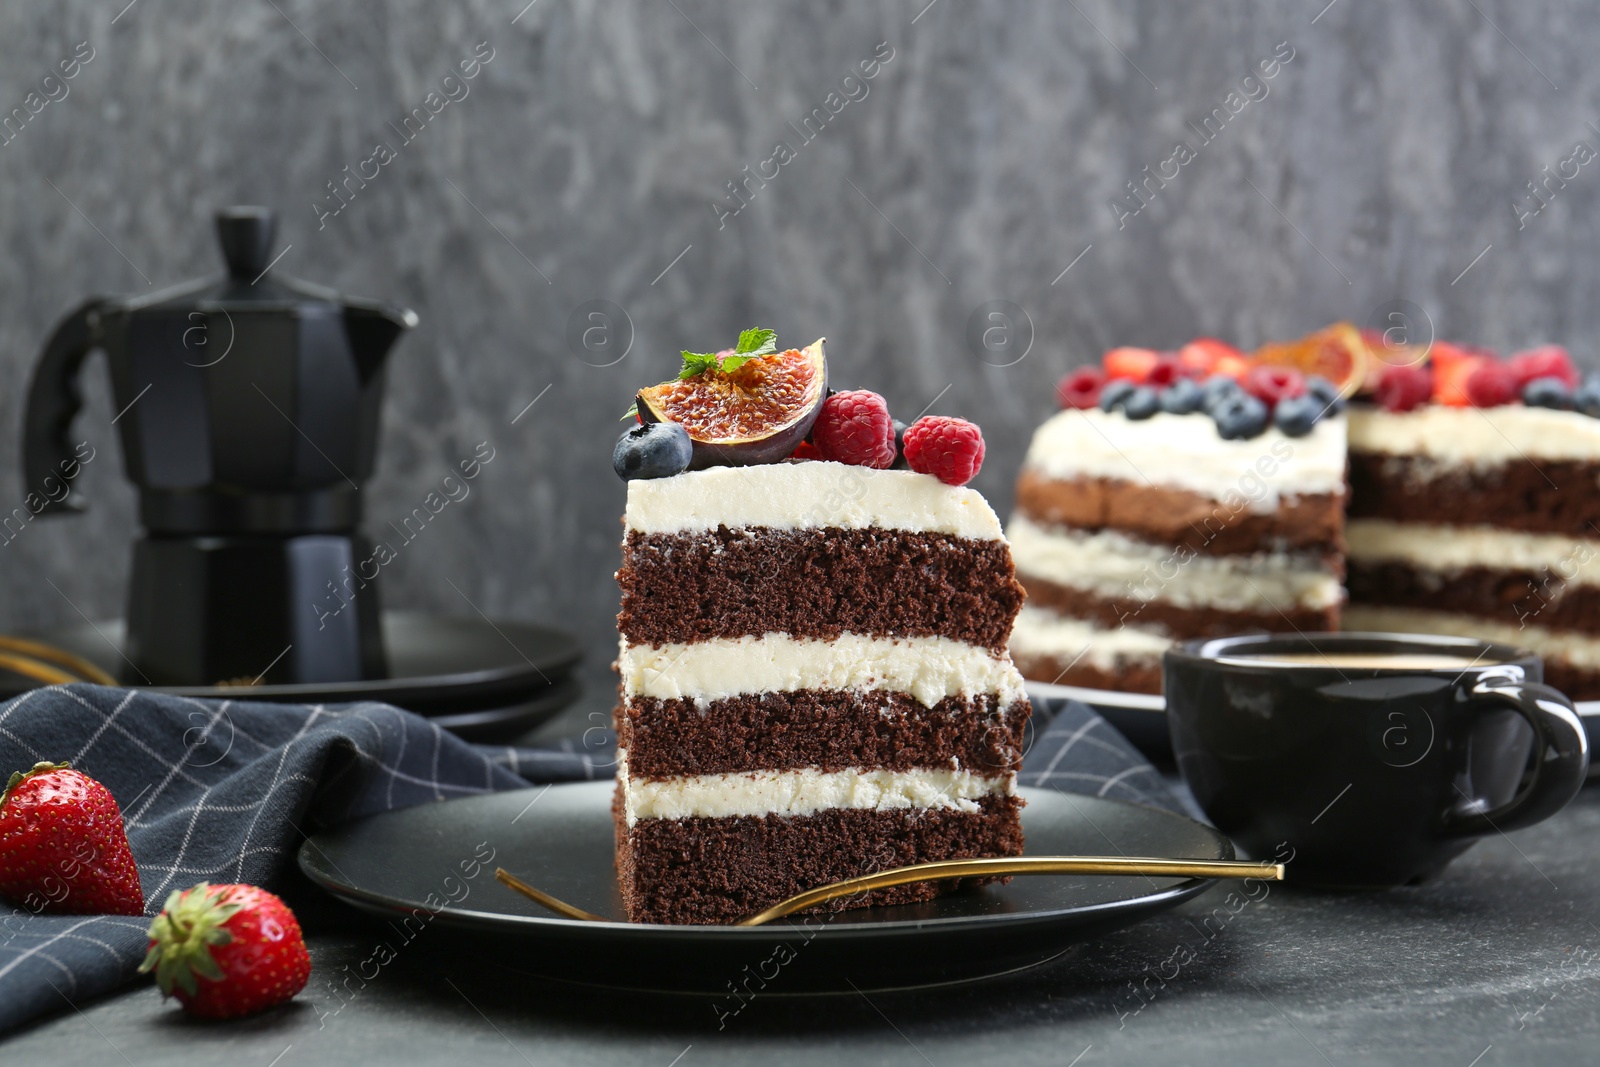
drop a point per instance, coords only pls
(719, 870)
(816, 584)
(829, 731)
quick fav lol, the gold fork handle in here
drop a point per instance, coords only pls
(1004, 865)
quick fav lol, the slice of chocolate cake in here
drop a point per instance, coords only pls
(814, 685)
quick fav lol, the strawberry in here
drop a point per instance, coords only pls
(227, 950)
(1202, 355)
(949, 449)
(1133, 364)
(63, 848)
(1546, 361)
(1450, 377)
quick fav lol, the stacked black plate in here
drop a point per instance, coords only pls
(484, 680)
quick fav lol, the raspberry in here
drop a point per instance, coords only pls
(1081, 388)
(1403, 388)
(1130, 363)
(1546, 361)
(949, 449)
(854, 427)
(1491, 384)
(1166, 371)
(1272, 384)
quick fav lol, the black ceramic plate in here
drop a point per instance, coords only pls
(402, 864)
(499, 725)
(1140, 717)
(435, 664)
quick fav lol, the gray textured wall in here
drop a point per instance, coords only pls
(1387, 154)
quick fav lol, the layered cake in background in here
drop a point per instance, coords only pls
(1473, 505)
(814, 676)
(1157, 508)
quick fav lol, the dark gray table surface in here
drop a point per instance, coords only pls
(1494, 963)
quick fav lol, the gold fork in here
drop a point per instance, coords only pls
(945, 869)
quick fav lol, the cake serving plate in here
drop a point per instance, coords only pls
(434, 864)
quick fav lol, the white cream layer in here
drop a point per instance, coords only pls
(1453, 548)
(1185, 452)
(1110, 564)
(928, 668)
(1476, 436)
(787, 496)
(722, 796)
(1040, 632)
(1581, 650)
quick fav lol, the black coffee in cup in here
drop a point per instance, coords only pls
(1373, 758)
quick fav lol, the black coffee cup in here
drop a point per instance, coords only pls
(1370, 759)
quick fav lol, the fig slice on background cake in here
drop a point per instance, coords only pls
(745, 405)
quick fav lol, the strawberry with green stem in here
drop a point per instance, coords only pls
(63, 848)
(227, 950)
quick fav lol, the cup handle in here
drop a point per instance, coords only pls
(1561, 760)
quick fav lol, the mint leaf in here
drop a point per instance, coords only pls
(756, 342)
(631, 413)
(753, 343)
(697, 363)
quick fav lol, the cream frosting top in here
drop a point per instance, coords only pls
(808, 495)
(1185, 452)
(1477, 436)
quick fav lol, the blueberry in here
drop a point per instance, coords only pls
(1547, 393)
(1218, 386)
(1326, 392)
(1182, 397)
(1587, 398)
(1142, 403)
(1239, 415)
(899, 463)
(1114, 393)
(1296, 415)
(652, 450)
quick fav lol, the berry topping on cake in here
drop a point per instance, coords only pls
(1114, 393)
(1132, 364)
(1403, 388)
(1183, 397)
(1587, 397)
(1327, 394)
(1548, 392)
(1217, 388)
(1206, 356)
(854, 427)
(1239, 415)
(1167, 370)
(1490, 384)
(1273, 384)
(753, 404)
(949, 449)
(1142, 403)
(900, 463)
(1080, 388)
(652, 450)
(1450, 376)
(1296, 416)
(1546, 361)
